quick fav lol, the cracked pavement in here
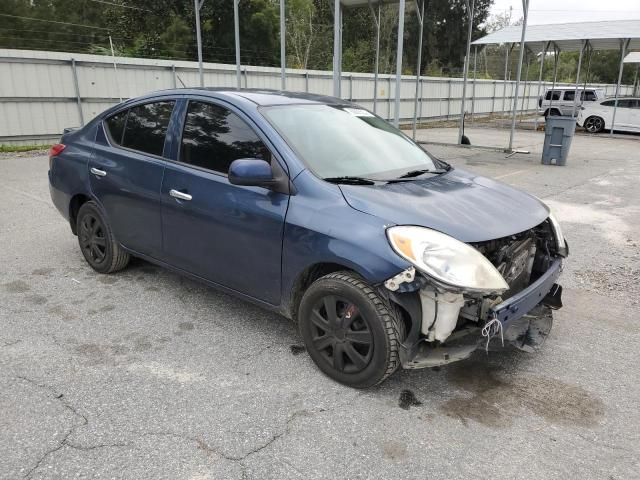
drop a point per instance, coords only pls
(144, 374)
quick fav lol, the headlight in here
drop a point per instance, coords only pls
(561, 243)
(446, 259)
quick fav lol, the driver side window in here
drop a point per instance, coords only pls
(214, 136)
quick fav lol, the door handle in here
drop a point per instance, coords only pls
(180, 195)
(98, 172)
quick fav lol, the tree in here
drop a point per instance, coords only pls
(301, 31)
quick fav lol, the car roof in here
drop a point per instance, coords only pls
(261, 97)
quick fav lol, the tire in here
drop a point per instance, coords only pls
(99, 247)
(366, 331)
(594, 124)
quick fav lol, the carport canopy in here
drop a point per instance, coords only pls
(633, 57)
(570, 37)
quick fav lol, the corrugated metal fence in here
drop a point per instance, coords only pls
(43, 92)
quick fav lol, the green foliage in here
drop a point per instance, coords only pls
(21, 148)
(166, 29)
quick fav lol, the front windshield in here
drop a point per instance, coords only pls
(339, 141)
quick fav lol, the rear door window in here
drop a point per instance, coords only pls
(556, 95)
(115, 126)
(146, 127)
(569, 95)
(214, 136)
(608, 103)
(588, 96)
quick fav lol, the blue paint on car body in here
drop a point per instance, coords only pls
(259, 243)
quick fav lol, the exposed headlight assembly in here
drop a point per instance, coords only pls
(561, 243)
(445, 259)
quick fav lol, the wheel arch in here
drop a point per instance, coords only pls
(305, 278)
(406, 304)
(75, 203)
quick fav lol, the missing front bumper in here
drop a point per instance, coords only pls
(526, 320)
(528, 333)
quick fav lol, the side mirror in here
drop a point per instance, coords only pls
(251, 172)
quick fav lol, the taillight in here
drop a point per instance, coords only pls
(54, 151)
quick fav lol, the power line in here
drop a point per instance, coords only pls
(120, 5)
(52, 21)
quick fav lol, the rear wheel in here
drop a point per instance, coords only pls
(594, 124)
(350, 332)
(97, 243)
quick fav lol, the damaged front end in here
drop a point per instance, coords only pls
(449, 322)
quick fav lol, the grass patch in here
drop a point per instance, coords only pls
(21, 148)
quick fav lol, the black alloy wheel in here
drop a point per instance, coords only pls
(594, 124)
(92, 240)
(351, 333)
(99, 247)
(341, 334)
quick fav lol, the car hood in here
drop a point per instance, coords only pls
(465, 206)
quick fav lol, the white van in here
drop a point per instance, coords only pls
(559, 101)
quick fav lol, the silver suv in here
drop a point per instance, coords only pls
(560, 101)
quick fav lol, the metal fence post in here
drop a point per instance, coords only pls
(76, 86)
(448, 97)
(351, 88)
(421, 98)
(173, 73)
(306, 81)
(493, 97)
(246, 77)
(389, 99)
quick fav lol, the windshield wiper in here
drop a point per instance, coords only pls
(417, 173)
(350, 180)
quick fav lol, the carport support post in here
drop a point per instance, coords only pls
(376, 18)
(525, 8)
(524, 88)
(396, 115)
(236, 28)
(473, 87)
(575, 92)
(197, 4)
(337, 48)
(544, 54)
(77, 89)
(465, 75)
(283, 53)
(624, 44)
(504, 85)
(556, 52)
(420, 14)
(589, 51)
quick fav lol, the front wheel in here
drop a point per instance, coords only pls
(350, 332)
(594, 124)
(97, 243)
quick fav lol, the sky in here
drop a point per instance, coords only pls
(562, 11)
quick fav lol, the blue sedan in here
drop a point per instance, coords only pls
(311, 206)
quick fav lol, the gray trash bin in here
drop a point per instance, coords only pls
(558, 133)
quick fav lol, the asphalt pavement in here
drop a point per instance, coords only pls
(144, 374)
